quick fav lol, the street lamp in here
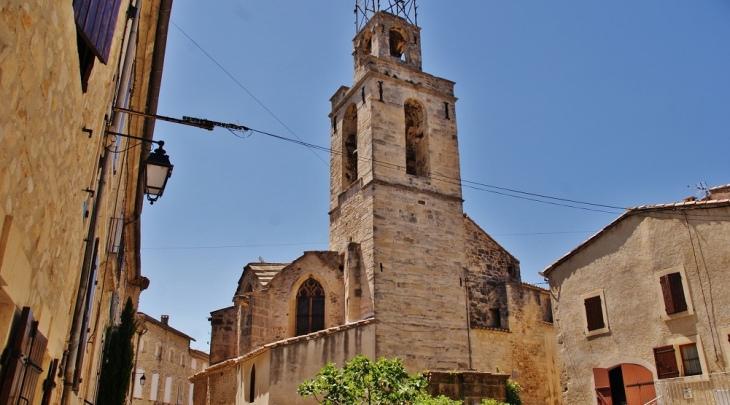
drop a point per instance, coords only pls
(158, 169)
(142, 380)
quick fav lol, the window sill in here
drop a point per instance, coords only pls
(597, 332)
(678, 315)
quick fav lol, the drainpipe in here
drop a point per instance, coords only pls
(70, 383)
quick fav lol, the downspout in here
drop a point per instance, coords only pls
(70, 384)
(153, 97)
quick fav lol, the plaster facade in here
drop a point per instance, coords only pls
(165, 359)
(626, 265)
(66, 194)
(407, 273)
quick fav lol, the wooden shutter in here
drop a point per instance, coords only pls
(594, 313)
(90, 289)
(96, 21)
(24, 366)
(50, 383)
(673, 292)
(666, 362)
(603, 386)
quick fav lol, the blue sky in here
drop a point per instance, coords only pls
(620, 103)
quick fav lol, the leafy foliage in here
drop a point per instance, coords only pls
(362, 381)
(513, 393)
(492, 402)
(117, 363)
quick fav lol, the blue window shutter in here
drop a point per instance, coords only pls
(96, 21)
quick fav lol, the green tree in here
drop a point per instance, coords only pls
(362, 381)
(513, 392)
(117, 362)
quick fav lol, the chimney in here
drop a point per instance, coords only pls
(165, 319)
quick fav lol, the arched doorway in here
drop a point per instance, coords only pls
(624, 384)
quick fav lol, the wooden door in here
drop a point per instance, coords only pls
(638, 384)
(603, 386)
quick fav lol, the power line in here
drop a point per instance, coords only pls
(464, 183)
(242, 86)
(469, 184)
(231, 246)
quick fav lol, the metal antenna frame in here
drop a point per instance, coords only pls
(405, 9)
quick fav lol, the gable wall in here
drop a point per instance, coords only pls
(622, 264)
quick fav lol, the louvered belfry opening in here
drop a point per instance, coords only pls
(310, 307)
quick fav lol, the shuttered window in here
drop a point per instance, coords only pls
(96, 21)
(594, 313)
(673, 293)
(666, 362)
(24, 365)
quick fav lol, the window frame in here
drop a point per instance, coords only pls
(685, 361)
(685, 290)
(606, 326)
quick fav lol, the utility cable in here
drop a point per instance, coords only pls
(242, 86)
(456, 181)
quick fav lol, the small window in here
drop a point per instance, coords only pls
(596, 321)
(594, 313)
(182, 360)
(193, 364)
(158, 350)
(673, 293)
(143, 345)
(252, 386)
(690, 359)
(170, 355)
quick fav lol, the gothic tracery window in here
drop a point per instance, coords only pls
(310, 307)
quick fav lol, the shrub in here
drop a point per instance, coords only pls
(513, 392)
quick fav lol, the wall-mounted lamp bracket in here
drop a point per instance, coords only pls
(88, 131)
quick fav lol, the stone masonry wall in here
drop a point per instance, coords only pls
(490, 266)
(526, 350)
(178, 365)
(224, 334)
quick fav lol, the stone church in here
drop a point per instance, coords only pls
(408, 274)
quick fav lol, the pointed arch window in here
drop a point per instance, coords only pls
(416, 139)
(349, 146)
(310, 307)
(252, 385)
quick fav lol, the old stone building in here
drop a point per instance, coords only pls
(166, 361)
(408, 274)
(70, 192)
(643, 307)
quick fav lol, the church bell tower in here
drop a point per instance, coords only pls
(395, 194)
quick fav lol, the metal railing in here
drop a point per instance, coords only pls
(710, 389)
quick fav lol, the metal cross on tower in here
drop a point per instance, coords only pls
(405, 9)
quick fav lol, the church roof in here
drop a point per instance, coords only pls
(265, 271)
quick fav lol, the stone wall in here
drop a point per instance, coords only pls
(163, 351)
(469, 386)
(526, 351)
(50, 172)
(224, 325)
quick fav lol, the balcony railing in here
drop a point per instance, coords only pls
(710, 389)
